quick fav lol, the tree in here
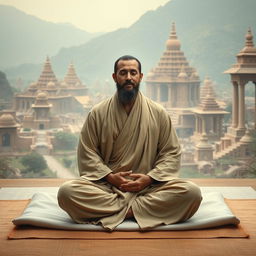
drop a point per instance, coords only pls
(65, 141)
(34, 163)
(6, 170)
(6, 90)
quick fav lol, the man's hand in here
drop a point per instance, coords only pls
(139, 182)
(128, 181)
(118, 179)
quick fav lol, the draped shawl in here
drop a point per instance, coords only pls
(143, 141)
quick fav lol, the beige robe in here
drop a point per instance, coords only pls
(143, 141)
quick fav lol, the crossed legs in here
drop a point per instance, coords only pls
(162, 203)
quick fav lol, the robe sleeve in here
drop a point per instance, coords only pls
(167, 162)
(90, 163)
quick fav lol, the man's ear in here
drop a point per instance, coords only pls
(114, 76)
(141, 76)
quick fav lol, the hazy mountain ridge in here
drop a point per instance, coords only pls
(28, 39)
(211, 34)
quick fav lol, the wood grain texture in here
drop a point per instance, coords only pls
(135, 247)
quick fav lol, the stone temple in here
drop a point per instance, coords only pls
(196, 113)
(44, 108)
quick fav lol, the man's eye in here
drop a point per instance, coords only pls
(133, 72)
(122, 72)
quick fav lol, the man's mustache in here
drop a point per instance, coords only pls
(128, 83)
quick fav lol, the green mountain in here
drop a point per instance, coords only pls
(211, 34)
(27, 39)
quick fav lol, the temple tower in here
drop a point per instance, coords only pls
(242, 72)
(41, 112)
(71, 77)
(209, 115)
(173, 82)
(204, 150)
(236, 141)
(73, 84)
(207, 88)
(47, 75)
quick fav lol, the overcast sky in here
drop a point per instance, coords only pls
(90, 15)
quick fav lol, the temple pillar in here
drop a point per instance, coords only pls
(220, 122)
(203, 126)
(241, 106)
(254, 105)
(169, 95)
(197, 128)
(235, 105)
(199, 125)
(197, 95)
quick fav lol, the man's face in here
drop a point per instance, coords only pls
(127, 78)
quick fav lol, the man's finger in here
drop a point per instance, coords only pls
(130, 185)
(123, 174)
(135, 175)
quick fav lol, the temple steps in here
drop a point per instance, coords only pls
(230, 151)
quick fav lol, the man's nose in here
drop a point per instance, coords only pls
(128, 76)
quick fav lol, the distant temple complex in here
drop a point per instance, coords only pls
(60, 94)
(45, 107)
(196, 113)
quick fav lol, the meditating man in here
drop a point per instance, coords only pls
(128, 159)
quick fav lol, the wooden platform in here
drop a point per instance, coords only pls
(149, 247)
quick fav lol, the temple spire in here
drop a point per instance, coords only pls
(173, 43)
(249, 39)
(173, 34)
(47, 74)
(71, 78)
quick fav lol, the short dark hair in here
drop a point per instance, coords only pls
(126, 57)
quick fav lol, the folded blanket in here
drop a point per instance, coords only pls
(43, 211)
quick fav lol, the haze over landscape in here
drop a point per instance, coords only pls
(209, 40)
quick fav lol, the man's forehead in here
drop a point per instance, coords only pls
(127, 64)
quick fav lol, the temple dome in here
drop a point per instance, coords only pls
(42, 96)
(183, 73)
(33, 85)
(173, 44)
(249, 46)
(7, 120)
(195, 75)
(51, 84)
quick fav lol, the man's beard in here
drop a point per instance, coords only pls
(127, 96)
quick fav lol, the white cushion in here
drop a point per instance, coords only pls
(44, 211)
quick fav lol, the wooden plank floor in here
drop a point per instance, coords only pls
(151, 247)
